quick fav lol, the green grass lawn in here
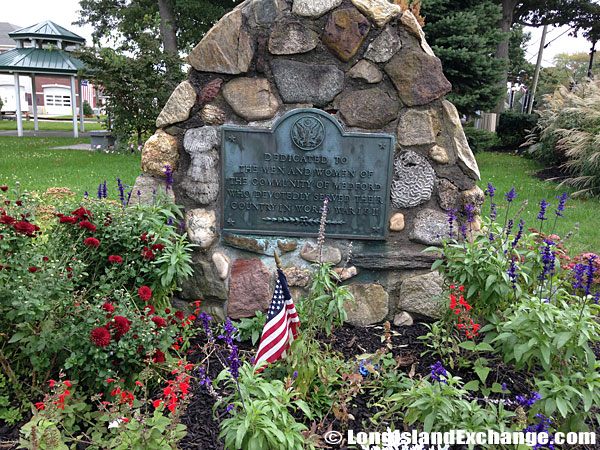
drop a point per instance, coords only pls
(31, 161)
(57, 126)
(506, 171)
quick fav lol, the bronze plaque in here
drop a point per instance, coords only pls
(275, 180)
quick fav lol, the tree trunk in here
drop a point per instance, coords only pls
(168, 29)
(508, 8)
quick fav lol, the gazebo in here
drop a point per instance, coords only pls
(45, 49)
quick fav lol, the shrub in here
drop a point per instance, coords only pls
(513, 128)
(480, 140)
(87, 109)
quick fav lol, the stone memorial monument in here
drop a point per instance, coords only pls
(291, 101)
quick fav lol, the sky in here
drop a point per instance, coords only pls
(64, 12)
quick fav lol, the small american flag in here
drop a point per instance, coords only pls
(281, 320)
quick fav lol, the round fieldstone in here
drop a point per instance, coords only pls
(364, 70)
(369, 108)
(448, 196)
(160, 150)
(178, 107)
(439, 154)
(314, 8)
(370, 304)
(430, 226)
(384, 46)
(251, 98)
(415, 127)
(249, 288)
(222, 263)
(397, 222)
(310, 253)
(345, 30)
(292, 38)
(201, 226)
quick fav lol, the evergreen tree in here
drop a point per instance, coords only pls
(464, 35)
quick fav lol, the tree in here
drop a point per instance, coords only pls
(574, 67)
(520, 71)
(463, 34)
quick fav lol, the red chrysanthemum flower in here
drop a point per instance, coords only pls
(150, 309)
(67, 219)
(33, 269)
(109, 307)
(158, 247)
(45, 258)
(4, 188)
(7, 220)
(144, 237)
(147, 253)
(115, 259)
(121, 326)
(179, 315)
(145, 293)
(159, 322)
(158, 356)
(87, 225)
(91, 242)
(19, 203)
(26, 228)
(82, 212)
(100, 337)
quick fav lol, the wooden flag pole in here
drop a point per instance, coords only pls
(277, 260)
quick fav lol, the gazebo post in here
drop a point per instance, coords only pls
(81, 117)
(34, 102)
(74, 107)
(18, 106)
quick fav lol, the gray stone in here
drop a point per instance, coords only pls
(379, 11)
(307, 83)
(160, 150)
(297, 277)
(251, 98)
(149, 187)
(204, 284)
(430, 227)
(292, 38)
(178, 106)
(248, 243)
(201, 226)
(395, 259)
(403, 319)
(344, 32)
(287, 245)
(345, 273)
(226, 48)
(421, 295)
(368, 108)
(413, 180)
(222, 263)
(439, 154)
(314, 8)
(417, 76)
(415, 127)
(202, 180)
(370, 304)
(310, 253)
(267, 11)
(410, 23)
(464, 155)
(364, 70)
(475, 197)
(249, 288)
(397, 222)
(384, 46)
(213, 115)
(448, 196)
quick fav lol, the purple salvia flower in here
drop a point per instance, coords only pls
(170, 222)
(129, 197)
(121, 191)
(578, 273)
(206, 324)
(542, 427)
(463, 231)
(86, 194)
(437, 371)
(590, 273)
(100, 191)
(295, 375)
(519, 234)
(491, 237)
(182, 226)
(470, 209)
(504, 388)
(597, 297)
(490, 190)
(527, 401)
(543, 206)
(511, 195)
(548, 259)
(451, 218)
(203, 376)
(168, 176)
(512, 273)
(139, 193)
(561, 204)
(509, 227)
(104, 190)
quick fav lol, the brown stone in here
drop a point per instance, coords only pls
(345, 30)
(297, 277)
(464, 156)
(368, 108)
(430, 227)
(364, 70)
(226, 48)
(421, 294)
(201, 226)
(439, 154)
(251, 98)
(370, 304)
(149, 187)
(379, 11)
(222, 263)
(250, 244)
(213, 115)
(397, 222)
(179, 105)
(403, 319)
(345, 273)
(415, 127)
(204, 284)
(410, 23)
(475, 197)
(310, 253)
(448, 196)
(287, 246)
(384, 46)
(292, 38)
(160, 150)
(249, 288)
(417, 76)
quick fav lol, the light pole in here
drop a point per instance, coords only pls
(511, 102)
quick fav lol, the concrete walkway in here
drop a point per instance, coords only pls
(44, 133)
(74, 147)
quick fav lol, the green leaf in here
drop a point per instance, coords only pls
(428, 422)
(482, 372)
(472, 385)
(562, 338)
(467, 345)
(484, 347)
(490, 280)
(17, 337)
(562, 406)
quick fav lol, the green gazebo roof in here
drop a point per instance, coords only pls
(46, 30)
(37, 60)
